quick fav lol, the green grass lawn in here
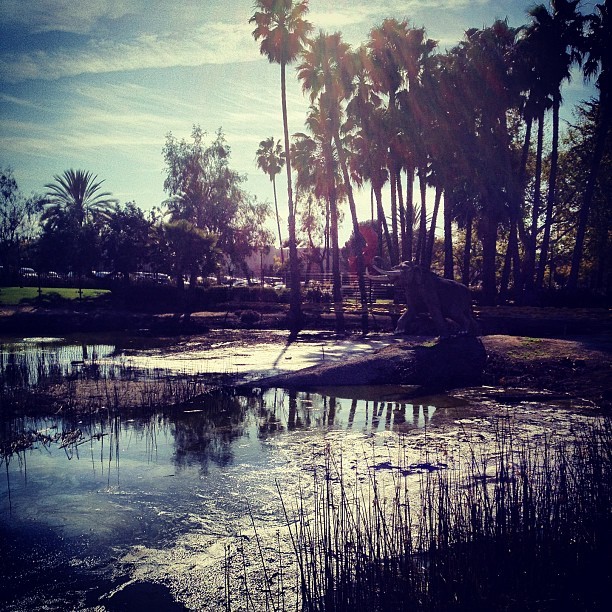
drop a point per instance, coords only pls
(11, 296)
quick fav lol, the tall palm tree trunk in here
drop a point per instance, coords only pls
(422, 242)
(394, 253)
(432, 229)
(280, 238)
(336, 278)
(551, 197)
(530, 258)
(407, 255)
(359, 241)
(583, 217)
(327, 237)
(448, 235)
(382, 220)
(489, 252)
(295, 306)
(467, 251)
(401, 211)
(335, 248)
(510, 261)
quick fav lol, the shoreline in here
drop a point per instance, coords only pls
(507, 320)
(561, 350)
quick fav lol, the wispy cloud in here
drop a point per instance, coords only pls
(64, 15)
(219, 43)
(346, 13)
(22, 102)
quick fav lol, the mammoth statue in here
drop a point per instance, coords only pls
(427, 292)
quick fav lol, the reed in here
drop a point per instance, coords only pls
(523, 524)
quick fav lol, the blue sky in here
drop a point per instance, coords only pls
(98, 84)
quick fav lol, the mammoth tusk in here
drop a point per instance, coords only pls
(376, 277)
(388, 273)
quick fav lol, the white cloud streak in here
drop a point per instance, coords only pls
(219, 43)
(65, 15)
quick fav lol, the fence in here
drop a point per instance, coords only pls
(316, 286)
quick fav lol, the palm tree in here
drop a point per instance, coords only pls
(318, 170)
(534, 101)
(398, 53)
(488, 88)
(270, 158)
(281, 26)
(326, 72)
(76, 194)
(560, 33)
(369, 143)
(450, 138)
(416, 120)
(387, 46)
(598, 59)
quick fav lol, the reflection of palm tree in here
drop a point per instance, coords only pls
(77, 194)
(270, 158)
(281, 26)
(208, 436)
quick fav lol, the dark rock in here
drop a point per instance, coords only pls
(148, 596)
(451, 362)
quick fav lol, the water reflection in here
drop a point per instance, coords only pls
(209, 432)
(123, 483)
(295, 410)
(34, 361)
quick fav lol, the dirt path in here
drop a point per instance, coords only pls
(580, 366)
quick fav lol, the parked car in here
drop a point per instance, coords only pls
(27, 272)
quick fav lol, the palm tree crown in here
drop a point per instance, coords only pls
(270, 157)
(77, 193)
(281, 26)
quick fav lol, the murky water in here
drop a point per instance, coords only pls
(136, 484)
(165, 511)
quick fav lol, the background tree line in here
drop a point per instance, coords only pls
(76, 227)
(471, 124)
(525, 204)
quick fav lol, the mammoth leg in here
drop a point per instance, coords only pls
(473, 328)
(438, 319)
(402, 323)
(408, 316)
(432, 301)
(463, 317)
(463, 320)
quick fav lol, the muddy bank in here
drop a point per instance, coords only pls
(579, 367)
(506, 320)
(382, 363)
(430, 367)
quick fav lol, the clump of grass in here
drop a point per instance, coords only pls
(36, 384)
(520, 526)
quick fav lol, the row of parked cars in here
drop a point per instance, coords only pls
(30, 275)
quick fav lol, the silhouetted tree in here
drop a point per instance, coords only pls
(282, 28)
(270, 158)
